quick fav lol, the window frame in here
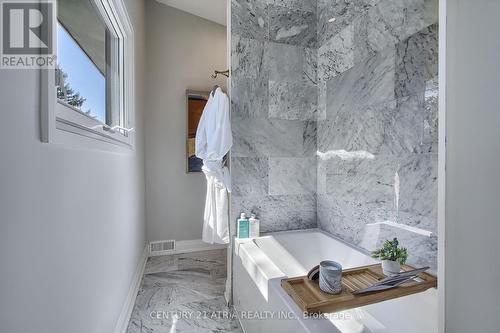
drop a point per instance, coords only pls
(64, 124)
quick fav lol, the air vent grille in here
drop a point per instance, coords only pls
(162, 246)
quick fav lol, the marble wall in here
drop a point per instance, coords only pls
(274, 111)
(334, 115)
(377, 123)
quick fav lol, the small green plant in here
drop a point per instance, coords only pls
(391, 251)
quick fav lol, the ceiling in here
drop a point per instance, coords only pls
(212, 10)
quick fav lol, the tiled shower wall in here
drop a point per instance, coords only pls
(377, 128)
(274, 107)
(334, 115)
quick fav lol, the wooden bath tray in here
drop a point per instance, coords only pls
(311, 299)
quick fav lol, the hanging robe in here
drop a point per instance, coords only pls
(213, 141)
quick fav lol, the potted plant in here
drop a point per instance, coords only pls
(392, 256)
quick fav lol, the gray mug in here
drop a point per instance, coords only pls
(330, 277)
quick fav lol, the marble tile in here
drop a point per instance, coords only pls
(360, 227)
(250, 97)
(292, 175)
(168, 289)
(292, 100)
(249, 18)
(209, 316)
(161, 264)
(422, 250)
(209, 260)
(262, 137)
(372, 32)
(390, 22)
(416, 61)
(247, 58)
(431, 123)
(304, 5)
(360, 191)
(363, 195)
(337, 54)
(291, 26)
(322, 97)
(369, 83)
(417, 204)
(279, 212)
(184, 293)
(250, 176)
(347, 219)
(335, 15)
(393, 127)
(290, 62)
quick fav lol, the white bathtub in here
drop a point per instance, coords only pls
(261, 263)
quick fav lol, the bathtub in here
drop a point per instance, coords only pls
(263, 306)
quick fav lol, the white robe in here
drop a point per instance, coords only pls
(213, 141)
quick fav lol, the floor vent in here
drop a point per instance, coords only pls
(162, 246)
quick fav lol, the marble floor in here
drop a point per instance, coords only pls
(184, 293)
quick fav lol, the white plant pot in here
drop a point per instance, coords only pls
(390, 267)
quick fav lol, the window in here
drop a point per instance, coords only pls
(90, 93)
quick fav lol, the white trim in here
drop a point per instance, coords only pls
(61, 124)
(443, 25)
(126, 312)
(187, 246)
(228, 291)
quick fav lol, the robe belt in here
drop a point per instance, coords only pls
(221, 174)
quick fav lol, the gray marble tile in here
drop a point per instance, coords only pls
(261, 137)
(290, 62)
(416, 62)
(417, 204)
(360, 191)
(392, 127)
(360, 227)
(322, 97)
(247, 58)
(337, 54)
(168, 289)
(292, 175)
(335, 15)
(291, 26)
(304, 5)
(184, 292)
(422, 250)
(249, 18)
(292, 100)
(431, 123)
(160, 264)
(372, 32)
(250, 176)
(250, 97)
(369, 83)
(279, 212)
(390, 22)
(347, 219)
(167, 263)
(208, 316)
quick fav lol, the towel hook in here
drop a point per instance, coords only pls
(216, 73)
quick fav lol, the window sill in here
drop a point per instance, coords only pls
(77, 130)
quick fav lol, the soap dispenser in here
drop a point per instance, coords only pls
(254, 226)
(243, 230)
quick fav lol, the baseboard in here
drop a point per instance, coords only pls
(186, 246)
(123, 320)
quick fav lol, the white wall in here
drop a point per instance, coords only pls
(71, 222)
(183, 50)
(473, 163)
